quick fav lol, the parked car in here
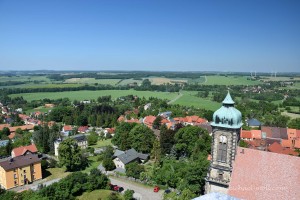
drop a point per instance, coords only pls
(156, 189)
(167, 191)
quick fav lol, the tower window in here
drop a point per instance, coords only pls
(222, 150)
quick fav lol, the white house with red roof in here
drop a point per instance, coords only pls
(24, 150)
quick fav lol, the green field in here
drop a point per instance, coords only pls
(102, 143)
(229, 80)
(189, 99)
(97, 194)
(84, 94)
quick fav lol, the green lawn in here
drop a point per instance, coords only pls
(189, 99)
(230, 80)
(93, 164)
(53, 173)
(41, 109)
(97, 194)
(84, 94)
(102, 143)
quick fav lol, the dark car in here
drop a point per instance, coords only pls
(167, 191)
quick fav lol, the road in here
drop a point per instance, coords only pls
(141, 192)
(176, 98)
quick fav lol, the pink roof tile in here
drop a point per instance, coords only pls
(264, 175)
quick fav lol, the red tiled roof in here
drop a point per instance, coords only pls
(121, 118)
(83, 128)
(24, 127)
(289, 152)
(256, 143)
(275, 147)
(68, 128)
(246, 134)
(164, 121)
(110, 130)
(22, 150)
(267, 130)
(287, 143)
(297, 133)
(149, 119)
(133, 121)
(264, 175)
(12, 135)
(3, 126)
(256, 134)
(297, 144)
(291, 133)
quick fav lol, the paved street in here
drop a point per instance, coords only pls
(142, 193)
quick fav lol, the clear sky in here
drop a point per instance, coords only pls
(177, 35)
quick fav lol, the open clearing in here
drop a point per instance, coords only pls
(129, 81)
(230, 80)
(86, 94)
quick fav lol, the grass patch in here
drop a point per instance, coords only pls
(102, 143)
(93, 164)
(86, 94)
(128, 81)
(54, 173)
(97, 194)
(189, 99)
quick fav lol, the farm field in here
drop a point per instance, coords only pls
(230, 80)
(162, 80)
(92, 81)
(85, 94)
(189, 99)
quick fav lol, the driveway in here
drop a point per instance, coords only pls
(141, 192)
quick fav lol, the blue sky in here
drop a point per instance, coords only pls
(177, 35)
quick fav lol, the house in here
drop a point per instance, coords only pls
(251, 134)
(190, 120)
(147, 106)
(67, 129)
(264, 175)
(27, 127)
(19, 171)
(49, 105)
(148, 121)
(24, 150)
(166, 114)
(274, 132)
(277, 148)
(2, 126)
(253, 123)
(85, 102)
(80, 140)
(83, 129)
(122, 158)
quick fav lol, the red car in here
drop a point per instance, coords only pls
(156, 189)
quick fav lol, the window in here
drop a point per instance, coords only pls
(15, 176)
(24, 171)
(15, 182)
(222, 150)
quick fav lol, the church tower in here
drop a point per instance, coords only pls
(227, 123)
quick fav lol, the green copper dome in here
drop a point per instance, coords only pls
(227, 116)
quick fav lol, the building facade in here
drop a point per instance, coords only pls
(226, 125)
(19, 171)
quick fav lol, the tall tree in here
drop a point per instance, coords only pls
(141, 138)
(70, 155)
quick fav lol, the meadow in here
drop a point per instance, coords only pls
(189, 99)
(85, 94)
